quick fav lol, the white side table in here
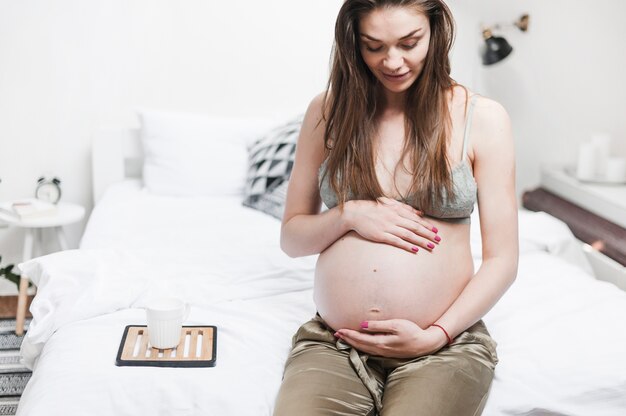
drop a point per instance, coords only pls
(66, 213)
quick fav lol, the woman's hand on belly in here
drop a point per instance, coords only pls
(391, 222)
(395, 338)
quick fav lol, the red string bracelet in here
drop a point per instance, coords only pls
(445, 332)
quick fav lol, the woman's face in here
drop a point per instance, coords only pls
(394, 43)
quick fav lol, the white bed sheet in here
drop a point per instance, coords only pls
(560, 346)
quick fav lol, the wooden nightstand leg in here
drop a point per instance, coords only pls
(23, 292)
(21, 306)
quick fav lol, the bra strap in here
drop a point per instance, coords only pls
(468, 125)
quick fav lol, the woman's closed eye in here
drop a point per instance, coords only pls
(405, 46)
(372, 49)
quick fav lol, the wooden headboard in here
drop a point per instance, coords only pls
(116, 155)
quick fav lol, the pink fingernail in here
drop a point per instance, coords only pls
(437, 238)
(364, 324)
(435, 230)
(415, 249)
(337, 335)
(431, 245)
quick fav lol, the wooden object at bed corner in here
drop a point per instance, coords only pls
(600, 233)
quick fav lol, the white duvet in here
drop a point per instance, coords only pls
(561, 347)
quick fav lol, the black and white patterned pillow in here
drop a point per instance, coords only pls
(272, 202)
(270, 160)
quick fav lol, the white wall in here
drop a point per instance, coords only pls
(562, 83)
(68, 67)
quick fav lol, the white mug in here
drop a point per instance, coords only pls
(165, 320)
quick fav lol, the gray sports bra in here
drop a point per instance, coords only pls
(463, 183)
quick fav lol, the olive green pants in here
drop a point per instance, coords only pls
(326, 376)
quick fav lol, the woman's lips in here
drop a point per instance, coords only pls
(397, 78)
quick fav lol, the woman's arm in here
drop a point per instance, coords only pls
(306, 231)
(494, 171)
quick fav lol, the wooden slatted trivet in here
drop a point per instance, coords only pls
(196, 348)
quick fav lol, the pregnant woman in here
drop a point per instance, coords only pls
(399, 153)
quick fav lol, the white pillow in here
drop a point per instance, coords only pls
(538, 231)
(192, 154)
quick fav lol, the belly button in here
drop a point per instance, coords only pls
(375, 310)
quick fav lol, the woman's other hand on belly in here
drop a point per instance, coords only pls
(391, 222)
(395, 338)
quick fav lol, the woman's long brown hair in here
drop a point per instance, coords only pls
(352, 99)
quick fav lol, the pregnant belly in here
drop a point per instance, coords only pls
(358, 280)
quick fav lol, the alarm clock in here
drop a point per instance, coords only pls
(48, 190)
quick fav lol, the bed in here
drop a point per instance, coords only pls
(560, 332)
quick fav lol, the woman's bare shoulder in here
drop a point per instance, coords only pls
(491, 128)
(314, 123)
(483, 106)
(486, 106)
(317, 106)
(490, 118)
